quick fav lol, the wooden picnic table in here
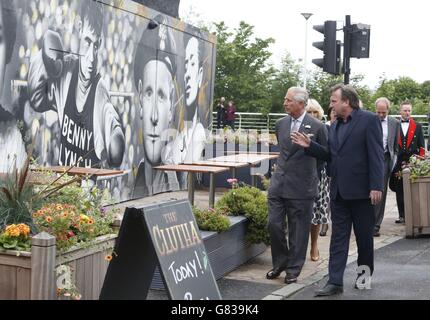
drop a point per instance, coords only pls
(80, 171)
(192, 169)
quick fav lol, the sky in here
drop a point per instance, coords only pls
(399, 36)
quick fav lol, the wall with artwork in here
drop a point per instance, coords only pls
(109, 84)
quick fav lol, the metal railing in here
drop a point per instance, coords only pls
(260, 121)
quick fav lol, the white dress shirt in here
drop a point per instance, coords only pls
(405, 127)
(296, 123)
(384, 123)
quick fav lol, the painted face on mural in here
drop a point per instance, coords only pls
(193, 73)
(155, 94)
(2, 51)
(88, 50)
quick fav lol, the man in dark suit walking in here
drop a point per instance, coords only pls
(390, 129)
(293, 188)
(355, 155)
(410, 139)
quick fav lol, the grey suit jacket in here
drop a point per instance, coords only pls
(296, 175)
(393, 147)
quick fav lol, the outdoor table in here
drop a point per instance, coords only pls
(191, 169)
(253, 159)
(231, 165)
(80, 171)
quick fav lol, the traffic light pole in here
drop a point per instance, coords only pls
(347, 48)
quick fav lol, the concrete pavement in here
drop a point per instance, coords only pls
(249, 281)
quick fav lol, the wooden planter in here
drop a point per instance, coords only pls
(417, 204)
(226, 250)
(31, 275)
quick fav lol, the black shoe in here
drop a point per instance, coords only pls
(290, 279)
(376, 233)
(274, 273)
(400, 220)
(329, 290)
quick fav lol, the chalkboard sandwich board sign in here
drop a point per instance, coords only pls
(167, 234)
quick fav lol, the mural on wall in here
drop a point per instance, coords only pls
(108, 84)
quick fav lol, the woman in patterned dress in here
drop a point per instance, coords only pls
(321, 204)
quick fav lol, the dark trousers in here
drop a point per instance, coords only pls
(400, 198)
(380, 207)
(230, 123)
(289, 255)
(346, 213)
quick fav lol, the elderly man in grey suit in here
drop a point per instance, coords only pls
(390, 130)
(293, 188)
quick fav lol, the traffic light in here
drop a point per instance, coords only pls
(330, 46)
(360, 41)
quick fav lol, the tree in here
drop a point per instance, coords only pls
(286, 77)
(319, 85)
(243, 72)
(425, 90)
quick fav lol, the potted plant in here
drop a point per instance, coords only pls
(416, 188)
(55, 237)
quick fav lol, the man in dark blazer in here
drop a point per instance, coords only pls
(390, 130)
(410, 140)
(293, 188)
(356, 161)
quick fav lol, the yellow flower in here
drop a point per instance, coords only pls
(59, 207)
(65, 214)
(84, 217)
(12, 230)
(35, 215)
(48, 219)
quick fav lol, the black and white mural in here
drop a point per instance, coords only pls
(105, 84)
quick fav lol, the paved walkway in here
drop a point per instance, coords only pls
(255, 270)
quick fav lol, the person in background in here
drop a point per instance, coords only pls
(322, 202)
(390, 131)
(411, 141)
(220, 114)
(230, 114)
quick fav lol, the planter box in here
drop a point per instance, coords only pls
(31, 275)
(226, 250)
(417, 204)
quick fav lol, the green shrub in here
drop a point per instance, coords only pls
(252, 203)
(211, 220)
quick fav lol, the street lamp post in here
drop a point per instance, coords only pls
(305, 71)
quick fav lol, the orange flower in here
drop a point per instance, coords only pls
(90, 221)
(24, 229)
(108, 257)
(59, 207)
(48, 219)
(65, 214)
(58, 291)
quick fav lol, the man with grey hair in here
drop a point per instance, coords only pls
(293, 188)
(390, 130)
